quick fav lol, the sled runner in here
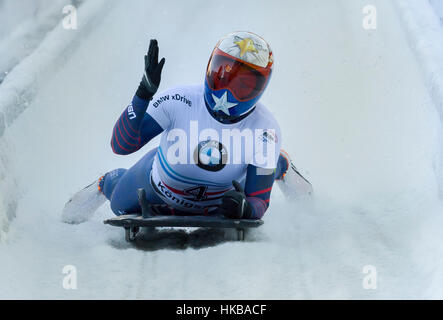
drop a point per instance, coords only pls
(133, 222)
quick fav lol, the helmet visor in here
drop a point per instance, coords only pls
(245, 81)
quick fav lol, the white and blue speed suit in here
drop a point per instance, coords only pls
(198, 157)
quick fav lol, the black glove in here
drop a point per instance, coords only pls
(234, 204)
(153, 69)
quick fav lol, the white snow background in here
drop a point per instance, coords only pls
(359, 111)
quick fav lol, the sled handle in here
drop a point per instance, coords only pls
(144, 204)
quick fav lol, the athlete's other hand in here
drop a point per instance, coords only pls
(152, 75)
(234, 203)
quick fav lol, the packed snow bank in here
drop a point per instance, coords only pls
(426, 39)
(423, 22)
(20, 85)
(9, 191)
(438, 7)
(14, 13)
(24, 25)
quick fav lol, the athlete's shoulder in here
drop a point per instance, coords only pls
(263, 118)
(184, 94)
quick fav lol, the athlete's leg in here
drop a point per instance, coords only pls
(83, 204)
(120, 186)
(108, 182)
(282, 167)
(289, 179)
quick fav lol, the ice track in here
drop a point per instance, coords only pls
(354, 111)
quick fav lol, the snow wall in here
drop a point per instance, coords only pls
(423, 22)
(35, 45)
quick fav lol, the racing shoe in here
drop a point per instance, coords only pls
(290, 180)
(83, 204)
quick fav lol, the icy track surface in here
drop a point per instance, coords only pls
(354, 113)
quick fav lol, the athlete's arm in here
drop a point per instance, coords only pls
(258, 187)
(259, 180)
(251, 202)
(135, 127)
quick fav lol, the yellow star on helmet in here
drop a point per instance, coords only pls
(246, 45)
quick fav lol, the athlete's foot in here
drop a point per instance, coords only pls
(82, 206)
(290, 180)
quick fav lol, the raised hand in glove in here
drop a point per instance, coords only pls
(152, 76)
(234, 203)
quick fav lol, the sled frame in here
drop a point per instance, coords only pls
(132, 223)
